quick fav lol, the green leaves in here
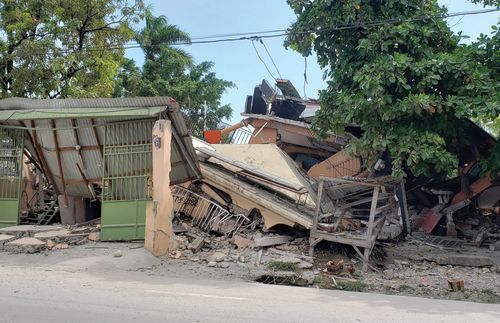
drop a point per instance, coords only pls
(171, 72)
(66, 48)
(404, 83)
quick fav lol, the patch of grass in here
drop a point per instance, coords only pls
(388, 290)
(406, 289)
(323, 282)
(489, 296)
(356, 286)
(283, 266)
(426, 291)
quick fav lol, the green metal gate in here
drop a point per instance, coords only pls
(11, 168)
(127, 180)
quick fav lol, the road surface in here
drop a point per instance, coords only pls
(60, 294)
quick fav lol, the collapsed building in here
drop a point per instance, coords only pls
(113, 159)
(352, 202)
(74, 160)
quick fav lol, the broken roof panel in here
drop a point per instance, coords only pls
(79, 131)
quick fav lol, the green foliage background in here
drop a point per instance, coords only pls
(71, 49)
(406, 80)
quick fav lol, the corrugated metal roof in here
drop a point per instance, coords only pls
(84, 103)
(79, 120)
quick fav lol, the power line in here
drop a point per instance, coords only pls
(284, 32)
(222, 38)
(353, 25)
(305, 76)
(265, 65)
(270, 57)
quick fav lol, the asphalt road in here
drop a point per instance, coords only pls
(47, 294)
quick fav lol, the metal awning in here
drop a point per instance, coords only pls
(65, 136)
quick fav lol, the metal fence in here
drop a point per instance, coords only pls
(11, 157)
(128, 163)
(206, 214)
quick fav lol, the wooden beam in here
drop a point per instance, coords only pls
(369, 230)
(58, 157)
(47, 172)
(317, 212)
(373, 211)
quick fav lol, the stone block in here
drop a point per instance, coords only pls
(25, 245)
(464, 260)
(55, 234)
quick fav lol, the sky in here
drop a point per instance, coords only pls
(238, 61)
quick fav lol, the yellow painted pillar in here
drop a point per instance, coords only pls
(159, 234)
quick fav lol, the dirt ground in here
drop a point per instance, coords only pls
(404, 268)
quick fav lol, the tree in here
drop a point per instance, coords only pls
(170, 71)
(51, 48)
(395, 68)
(157, 33)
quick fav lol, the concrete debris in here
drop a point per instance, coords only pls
(464, 260)
(223, 265)
(308, 276)
(93, 236)
(61, 246)
(271, 241)
(27, 230)
(175, 254)
(50, 244)
(259, 257)
(25, 245)
(53, 237)
(241, 242)
(197, 244)
(218, 256)
(4, 238)
(117, 254)
(55, 234)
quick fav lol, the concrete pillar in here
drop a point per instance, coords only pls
(159, 234)
(73, 212)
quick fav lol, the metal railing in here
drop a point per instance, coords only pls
(206, 214)
(128, 161)
(11, 157)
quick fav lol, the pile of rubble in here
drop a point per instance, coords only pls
(34, 238)
(271, 164)
(264, 192)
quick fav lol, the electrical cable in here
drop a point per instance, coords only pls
(265, 65)
(305, 76)
(284, 32)
(448, 15)
(270, 57)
